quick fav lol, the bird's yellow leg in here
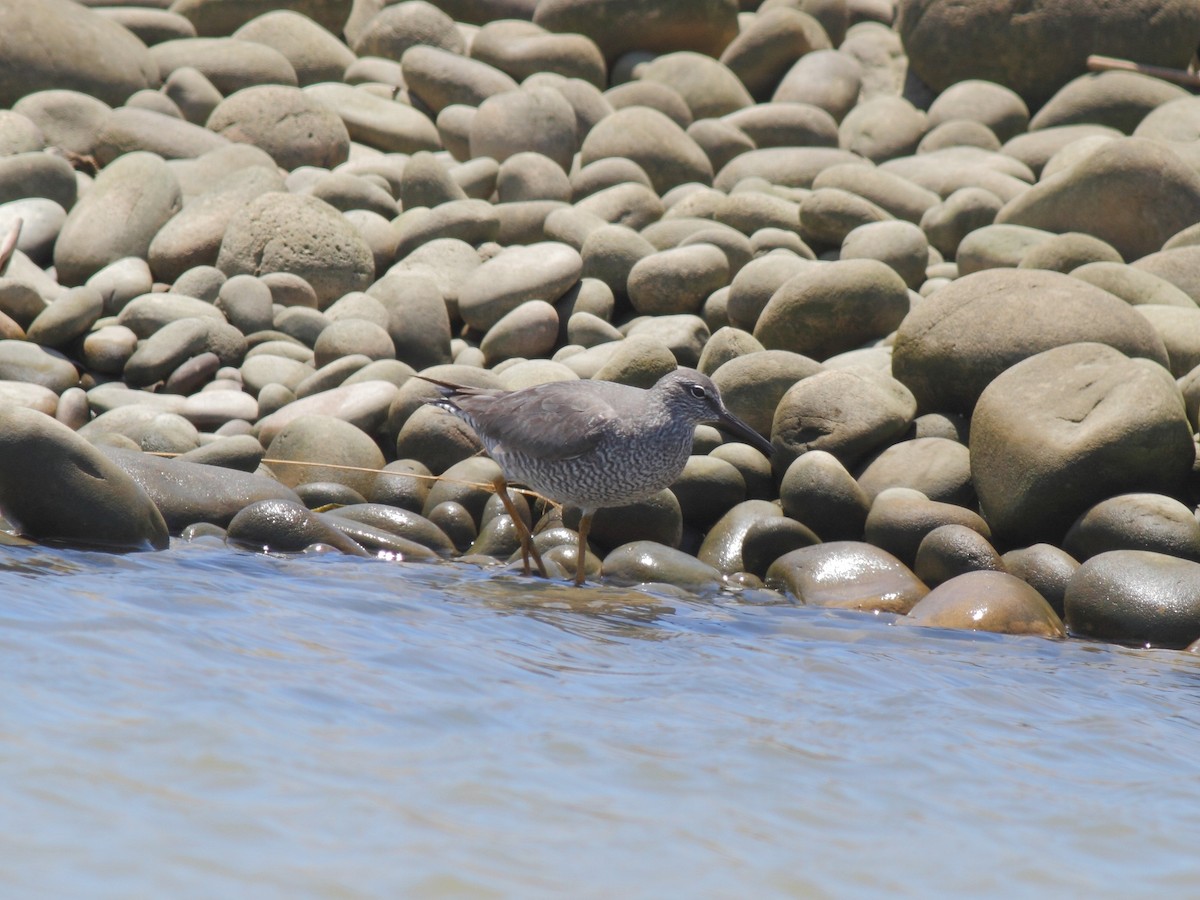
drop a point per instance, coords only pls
(527, 546)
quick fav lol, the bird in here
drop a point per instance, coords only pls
(593, 444)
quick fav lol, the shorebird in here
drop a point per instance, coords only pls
(593, 444)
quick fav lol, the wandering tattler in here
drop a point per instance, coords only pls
(594, 444)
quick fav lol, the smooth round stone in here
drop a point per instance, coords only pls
(522, 49)
(750, 211)
(375, 121)
(41, 221)
(630, 204)
(116, 65)
(1179, 329)
(41, 175)
(827, 79)
(472, 221)
(286, 526)
(230, 64)
(54, 485)
(402, 483)
(439, 78)
(818, 491)
(1176, 265)
(65, 118)
(1046, 568)
(318, 494)
(708, 87)
(131, 128)
(618, 26)
(763, 52)
(828, 215)
(195, 373)
(192, 237)
(530, 330)
(524, 221)
(998, 107)
(265, 369)
(166, 433)
(1117, 99)
(418, 322)
(720, 141)
(436, 439)
(363, 405)
(900, 518)
(426, 182)
(1060, 431)
(316, 55)
(172, 345)
(939, 468)
(587, 330)
(958, 133)
(845, 412)
(447, 261)
(399, 26)
(246, 303)
(68, 318)
(769, 539)
(965, 211)
(352, 336)
(1135, 597)
(1092, 196)
(706, 489)
(648, 137)
(1135, 286)
(149, 313)
(126, 205)
(1140, 521)
(753, 384)
(833, 308)
(638, 361)
(498, 538)
(192, 93)
(677, 280)
(902, 246)
(23, 361)
(456, 522)
(212, 409)
(531, 176)
(882, 128)
(754, 286)
(644, 562)
(945, 171)
(952, 550)
(987, 601)
(539, 271)
(535, 119)
(279, 232)
(293, 127)
(683, 335)
(606, 173)
(306, 442)
(31, 396)
(847, 575)
(199, 282)
(794, 167)
(402, 523)
(726, 343)
(959, 339)
(658, 519)
(468, 483)
(240, 452)
(609, 254)
(722, 546)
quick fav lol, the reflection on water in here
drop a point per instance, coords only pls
(206, 723)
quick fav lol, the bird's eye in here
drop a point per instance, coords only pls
(697, 391)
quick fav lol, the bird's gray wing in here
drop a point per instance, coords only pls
(557, 421)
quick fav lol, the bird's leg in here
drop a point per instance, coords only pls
(585, 525)
(527, 546)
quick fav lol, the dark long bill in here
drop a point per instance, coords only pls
(738, 428)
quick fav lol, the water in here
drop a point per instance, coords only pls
(200, 723)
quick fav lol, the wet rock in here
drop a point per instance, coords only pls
(54, 485)
(818, 491)
(1046, 568)
(641, 562)
(1000, 317)
(286, 526)
(402, 483)
(768, 539)
(1060, 431)
(278, 232)
(468, 483)
(722, 546)
(658, 519)
(987, 601)
(706, 489)
(952, 550)
(401, 522)
(1135, 597)
(848, 575)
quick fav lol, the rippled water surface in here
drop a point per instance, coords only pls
(201, 723)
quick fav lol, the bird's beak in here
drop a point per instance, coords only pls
(735, 426)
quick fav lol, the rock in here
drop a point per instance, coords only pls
(535, 119)
(826, 79)
(306, 442)
(1119, 100)
(1135, 597)
(228, 63)
(708, 87)
(882, 128)
(753, 384)
(892, 193)
(663, 149)
(541, 271)
(937, 467)
(677, 280)
(399, 26)
(1067, 252)
(528, 331)
(315, 54)
(1000, 108)
(1044, 48)
(68, 318)
(828, 215)
(439, 78)
(522, 49)
(642, 562)
(23, 361)
(116, 66)
(844, 412)
(784, 166)
(1151, 522)
(378, 121)
(279, 232)
(418, 323)
(290, 125)
(1176, 265)
(900, 518)
(129, 128)
(1094, 195)
(1134, 286)
(901, 246)
(363, 404)
(130, 200)
(664, 26)
(952, 550)
(1045, 568)
(54, 485)
(817, 490)
(762, 53)
(286, 526)
(987, 601)
(722, 546)
(531, 176)
(832, 308)
(848, 575)
(996, 246)
(946, 356)
(1060, 431)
